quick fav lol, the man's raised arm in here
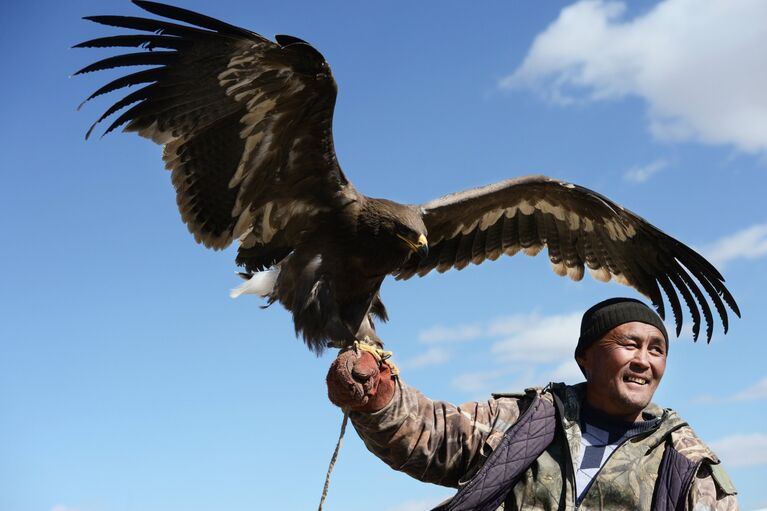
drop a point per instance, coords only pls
(433, 441)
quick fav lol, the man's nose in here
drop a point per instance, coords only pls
(641, 358)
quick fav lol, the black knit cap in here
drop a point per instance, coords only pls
(606, 315)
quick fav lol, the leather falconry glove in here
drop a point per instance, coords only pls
(362, 379)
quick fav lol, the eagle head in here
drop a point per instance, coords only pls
(399, 226)
(408, 227)
(418, 245)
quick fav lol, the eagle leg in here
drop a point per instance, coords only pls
(366, 333)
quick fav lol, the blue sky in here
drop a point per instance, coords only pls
(129, 380)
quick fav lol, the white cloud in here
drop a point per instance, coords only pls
(567, 372)
(525, 340)
(704, 399)
(515, 378)
(696, 63)
(545, 339)
(645, 172)
(432, 356)
(506, 325)
(754, 392)
(440, 333)
(742, 450)
(479, 381)
(419, 505)
(514, 324)
(531, 348)
(749, 243)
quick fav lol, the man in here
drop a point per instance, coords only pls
(601, 444)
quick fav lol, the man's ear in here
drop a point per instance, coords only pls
(582, 364)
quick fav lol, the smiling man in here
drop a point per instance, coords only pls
(600, 445)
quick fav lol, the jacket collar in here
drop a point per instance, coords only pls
(569, 399)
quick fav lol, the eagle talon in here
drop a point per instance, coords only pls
(381, 356)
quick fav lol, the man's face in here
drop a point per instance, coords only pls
(623, 369)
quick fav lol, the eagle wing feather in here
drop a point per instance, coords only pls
(581, 230)
(246, 125)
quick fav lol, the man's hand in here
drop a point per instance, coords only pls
(360, 382)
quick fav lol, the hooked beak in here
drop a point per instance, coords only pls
(420, 247)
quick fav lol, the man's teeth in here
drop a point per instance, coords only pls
(634, 379)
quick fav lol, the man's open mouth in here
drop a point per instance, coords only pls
(636, 379)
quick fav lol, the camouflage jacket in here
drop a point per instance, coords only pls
(440, 443)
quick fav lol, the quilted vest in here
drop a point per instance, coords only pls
(530, 436)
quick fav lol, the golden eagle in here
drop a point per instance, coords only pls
(246, 125)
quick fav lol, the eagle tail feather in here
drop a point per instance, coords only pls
(261, 283)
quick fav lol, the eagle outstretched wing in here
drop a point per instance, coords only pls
(246, 125)
(581, 229)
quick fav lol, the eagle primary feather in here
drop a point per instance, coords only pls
(246, 125)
